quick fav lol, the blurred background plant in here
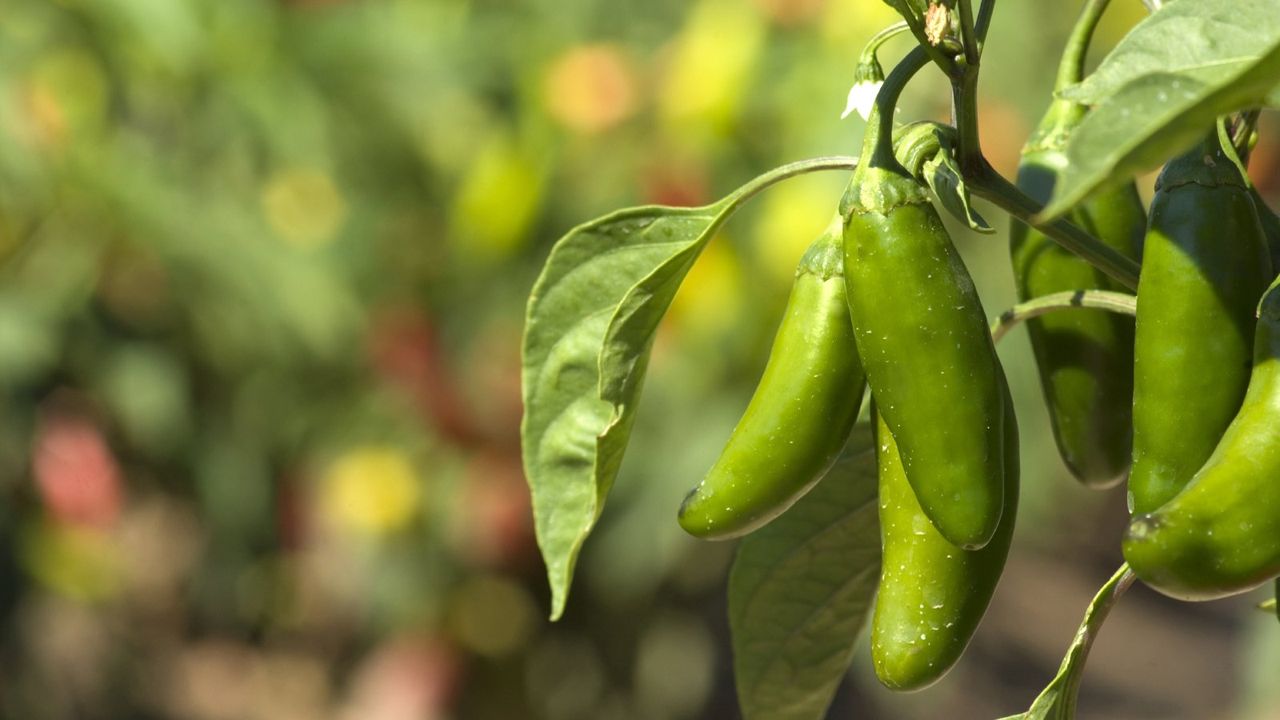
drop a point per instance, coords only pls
(262, 273)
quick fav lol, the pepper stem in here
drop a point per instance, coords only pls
(990, 185)
(1071, 67)
(762, 182)
(877, 143)
(869, 50)
(1115, 302)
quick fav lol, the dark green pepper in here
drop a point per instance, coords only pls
(923, 339)
(1085, 357)
(1205, 265)
(802, 411)
(932, 594)
(1221, 534)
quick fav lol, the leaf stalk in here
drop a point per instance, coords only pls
(990, 185)
(1121, 303)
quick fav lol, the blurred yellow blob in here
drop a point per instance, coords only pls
(372, 490)
(497, 201)
(710, 299)
(711, 63)
(77, 562)
(590, 88)
(492, 615)
(66, 96)
(847, 21)
(304, 207)
(794, 213)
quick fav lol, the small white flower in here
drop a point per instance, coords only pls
(862, 97)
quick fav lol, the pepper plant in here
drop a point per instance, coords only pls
(908, 517)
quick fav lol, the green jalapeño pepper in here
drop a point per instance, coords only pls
(1205, 265)
(923, 339)
(1221, 534)
(801, 414)
(1085, 357)
(932, 593)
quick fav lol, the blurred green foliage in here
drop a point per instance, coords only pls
(262, 271)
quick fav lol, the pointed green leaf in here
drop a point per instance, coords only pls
(1163, 85)
(1058, 701)
(800, 590)
(588, 330)
(589, 326)
(942, 175)
(927, 150)
(1208, 39)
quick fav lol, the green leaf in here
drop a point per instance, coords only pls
(589, 326)
(588, 330)
(1162, 87)
(942, 175)
(1058, 701)
(800, 590)
(1208, 39)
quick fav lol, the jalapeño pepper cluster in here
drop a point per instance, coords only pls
(1186, 405)
(1204, 486)
(1175, 392)
(905, 320)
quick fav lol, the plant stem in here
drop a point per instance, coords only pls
(1242, 127)
(944, 61)
(873, 45)
(968, 35)
(1088, 632)
(990, 185)
(964, 94)
(964, 111)
(1121, 303)
(964, 91)
(1058, 700)
(1064, 115)
(759, 183)
(1071, 67)
(877, 144)
(912, 63)
(983, 24)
